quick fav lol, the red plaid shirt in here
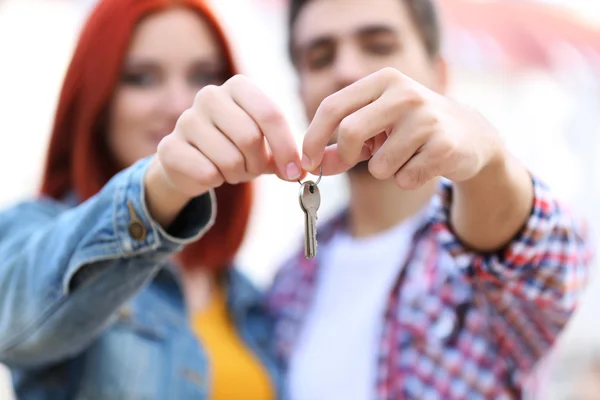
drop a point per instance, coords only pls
(477, 323)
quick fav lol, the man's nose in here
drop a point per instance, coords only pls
(349, 65)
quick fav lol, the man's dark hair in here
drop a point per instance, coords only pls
(423, 13)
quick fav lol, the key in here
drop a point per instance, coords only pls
(310, 200)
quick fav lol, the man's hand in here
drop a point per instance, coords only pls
(233, 133)
(414, 135)
(409, 132)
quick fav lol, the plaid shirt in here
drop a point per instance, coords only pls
(476, 323)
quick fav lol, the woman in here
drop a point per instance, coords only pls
(96, 301)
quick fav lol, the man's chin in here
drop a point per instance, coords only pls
(361, 168)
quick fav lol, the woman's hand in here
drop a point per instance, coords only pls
(233, 133)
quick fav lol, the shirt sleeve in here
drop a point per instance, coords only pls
(535, 282)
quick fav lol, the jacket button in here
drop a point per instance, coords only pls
(137, 230)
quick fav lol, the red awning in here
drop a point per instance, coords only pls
(526, 33)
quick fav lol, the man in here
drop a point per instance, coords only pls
(422, 289)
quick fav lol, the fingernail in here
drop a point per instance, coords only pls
(292, 171)
(306, 163)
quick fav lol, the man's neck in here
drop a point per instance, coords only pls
(376, 206)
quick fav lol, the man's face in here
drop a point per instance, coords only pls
(337, 42)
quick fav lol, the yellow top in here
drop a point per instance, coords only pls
(236, 372)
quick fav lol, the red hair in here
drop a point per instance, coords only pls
(78, 160)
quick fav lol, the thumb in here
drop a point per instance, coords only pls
(333, 164)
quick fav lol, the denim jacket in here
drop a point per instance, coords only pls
(89, 310)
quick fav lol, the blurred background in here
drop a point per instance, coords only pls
(532, 67)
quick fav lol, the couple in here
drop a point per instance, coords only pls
(451, 273)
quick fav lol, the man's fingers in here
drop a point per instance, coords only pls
(377, 141)
(395, 151)
(417, 171)
(356, 129)
(332, 111)
(333, 164)
(272, 124)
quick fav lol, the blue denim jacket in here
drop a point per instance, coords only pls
(88, 309)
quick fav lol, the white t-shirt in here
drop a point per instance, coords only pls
(336, 352)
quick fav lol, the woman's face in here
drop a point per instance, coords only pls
(173, 54)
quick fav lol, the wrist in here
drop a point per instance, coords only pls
(488, 210)
(503, 172)
(497, 164)
(164, 202)
(494, 167)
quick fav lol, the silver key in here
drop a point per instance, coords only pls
(310, 200)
